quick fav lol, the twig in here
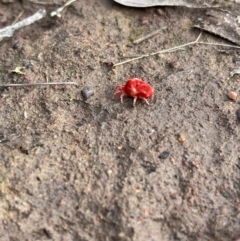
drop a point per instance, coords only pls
(9, 31)
(58, 11)
(19, 16)
(128, 56)
(41, 3)
(175, 49)
(223, 45)
(37, 84)
(159, 52)
(137, 41)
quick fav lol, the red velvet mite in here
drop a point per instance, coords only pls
(135, 88)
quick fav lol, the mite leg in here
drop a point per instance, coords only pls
(146, 101)
(116, 92)
(134, 100)
(121, 97)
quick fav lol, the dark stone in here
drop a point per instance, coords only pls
(164, 155)
(87, 92)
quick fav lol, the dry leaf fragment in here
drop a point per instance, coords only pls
(222, 24)
(18, 70)
(236, 71)
(151, 3)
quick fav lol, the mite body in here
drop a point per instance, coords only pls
(135, 88)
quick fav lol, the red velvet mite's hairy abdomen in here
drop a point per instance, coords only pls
(135, 88)
(138, 88)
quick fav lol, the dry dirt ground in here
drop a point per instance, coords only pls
(91, 170)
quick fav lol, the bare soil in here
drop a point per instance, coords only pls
(96, 169)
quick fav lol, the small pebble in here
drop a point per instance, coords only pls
(160, 12)
(143, 20)
(109, 172)
(87, 92)
(181, 138)
(238, 114)
(164, 155)
(16, 45)
(28, 63)
(172, 64)
(121, 235)
(232, 95)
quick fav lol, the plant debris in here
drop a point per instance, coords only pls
(9, 31)
(139, 40)
(151, 3)
(180, 47)
(36, 84)
(222, 24)
(18, 70)
(58, 11)
(236, 71)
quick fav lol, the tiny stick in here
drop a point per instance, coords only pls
(37, 84)
(137, 41)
